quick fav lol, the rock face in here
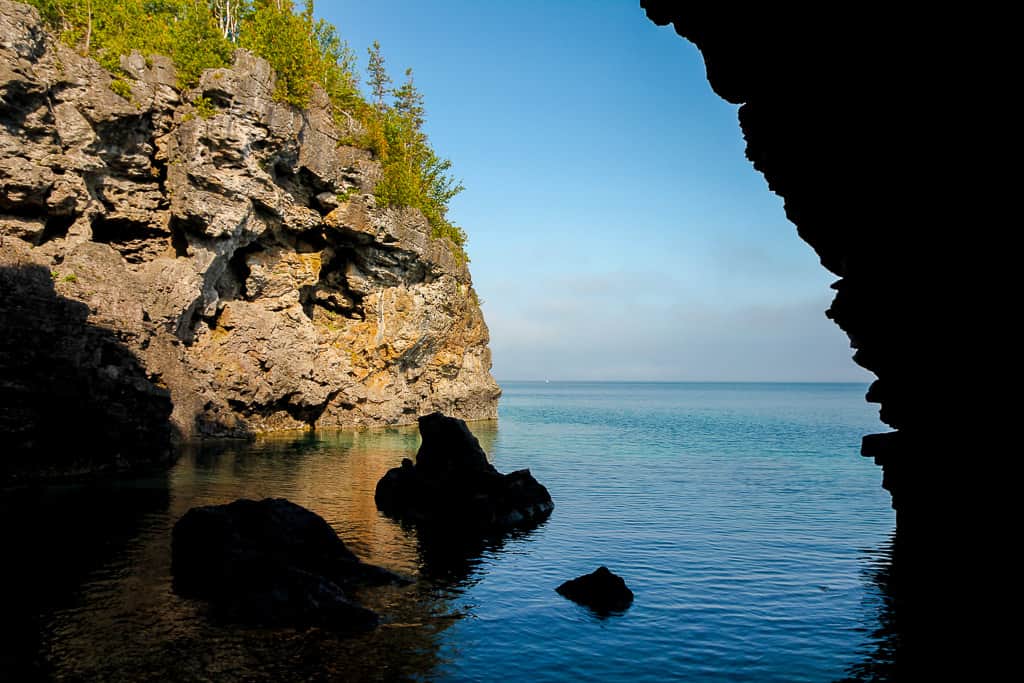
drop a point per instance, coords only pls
(601, 591)
(452, 484)
(270, 562)
(241, 257)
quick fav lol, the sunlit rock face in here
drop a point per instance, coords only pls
(240, 255)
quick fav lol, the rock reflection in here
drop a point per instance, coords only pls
(113, 616)
(884, 655)
(451, 560)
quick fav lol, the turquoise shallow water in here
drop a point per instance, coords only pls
(752, 533)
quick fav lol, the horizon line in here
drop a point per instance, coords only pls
(686, 381)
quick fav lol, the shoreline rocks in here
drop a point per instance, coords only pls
(271, 563)
(452, 483)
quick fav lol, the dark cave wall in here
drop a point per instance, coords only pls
(890, 135)
(853, 119)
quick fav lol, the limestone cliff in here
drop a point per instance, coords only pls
(236, 250)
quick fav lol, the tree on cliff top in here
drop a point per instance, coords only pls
(413, 173)
(379, 79)
(184, 30)
(303, 52)
(409, 101)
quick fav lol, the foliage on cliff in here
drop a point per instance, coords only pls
(413, 173)
(305, 52)
(106, 29)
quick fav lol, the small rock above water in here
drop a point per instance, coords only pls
(452, 483)
(601, 591)
(270, 562)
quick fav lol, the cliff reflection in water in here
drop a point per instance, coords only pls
(122, 621)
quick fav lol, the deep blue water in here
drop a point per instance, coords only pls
(752, 533)
(741, 516)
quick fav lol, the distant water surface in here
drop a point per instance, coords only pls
(752, 533)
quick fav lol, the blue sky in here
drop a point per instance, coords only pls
(616, 230)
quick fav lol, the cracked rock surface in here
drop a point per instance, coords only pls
(240, 256)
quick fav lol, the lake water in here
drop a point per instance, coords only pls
(754, 536)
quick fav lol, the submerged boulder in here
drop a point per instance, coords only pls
(270, 562)
(601, 591)
(452, 483)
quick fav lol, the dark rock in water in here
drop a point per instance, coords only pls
(601, 591)
(270, 562)
(452, 483)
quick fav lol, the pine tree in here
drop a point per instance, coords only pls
(409, 101)
(379, 79)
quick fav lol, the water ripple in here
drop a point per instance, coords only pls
(753, 535)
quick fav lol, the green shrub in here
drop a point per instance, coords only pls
(412, 173)
(346, 194)
(205, 107)
(121, 87)
(197, 45)
(185, 30)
